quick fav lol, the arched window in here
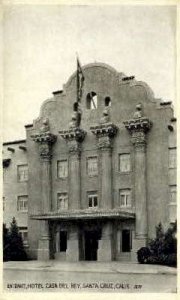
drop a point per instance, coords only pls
(75, 106)
(107, 101)
(91, 100)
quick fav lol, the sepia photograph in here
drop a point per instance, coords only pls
(89, 149)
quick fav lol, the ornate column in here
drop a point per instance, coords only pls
(45, 139)
(105, 132)
(74, 137)
(138, 128)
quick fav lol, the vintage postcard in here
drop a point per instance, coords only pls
(89, 149)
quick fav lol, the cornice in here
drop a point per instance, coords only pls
(140, 124)
(44, 137)
(77, 134)
(107, 129)
(85, 214)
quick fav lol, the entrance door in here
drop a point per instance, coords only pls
(91, 244)
(126, 240)
(63, 241)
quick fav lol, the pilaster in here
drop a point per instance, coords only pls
(138, 128)
(105, 133)
(72, 253)
(105, 243)
(45, 140)
(74, 137)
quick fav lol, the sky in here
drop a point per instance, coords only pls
(40, 44)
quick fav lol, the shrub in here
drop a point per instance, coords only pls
(161, 250)
(143, 254)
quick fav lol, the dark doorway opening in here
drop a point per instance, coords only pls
(126, 240)
(63, 241)
(91, 244)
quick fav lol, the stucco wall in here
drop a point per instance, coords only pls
(12, 188)
(105, 81)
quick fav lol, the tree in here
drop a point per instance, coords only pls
(16, 246)
(6, 250)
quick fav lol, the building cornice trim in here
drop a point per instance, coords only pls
(14, 142)
(85, 214)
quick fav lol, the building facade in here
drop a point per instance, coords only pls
(15, 180)
(100, 178)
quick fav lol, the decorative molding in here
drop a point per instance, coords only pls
(74, 137)
(104, 132)
(45, 139)
(76, 134)
(139, 124)
(138, 127)
(104, 143)
(86, 214)
(106, 129)
(74, 147)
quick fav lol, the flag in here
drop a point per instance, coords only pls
(80, 81)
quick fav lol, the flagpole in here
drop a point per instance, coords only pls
(79, 85)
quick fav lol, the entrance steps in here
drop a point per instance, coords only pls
(124, 256)
(61, 256)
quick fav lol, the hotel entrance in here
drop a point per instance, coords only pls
(91, 245)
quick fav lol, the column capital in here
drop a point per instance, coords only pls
(138, 127)
(104, 133)
(45, 141)
(74, 137)
(107, 129)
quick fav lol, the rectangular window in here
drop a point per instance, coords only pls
(22, 203)
(62, 168)
(173, 194)
(124, 162)
(22, 173)
(92, 166)
(172, 158)
(125, 198)
(24, 234)
(62, 201)
(92, 200)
